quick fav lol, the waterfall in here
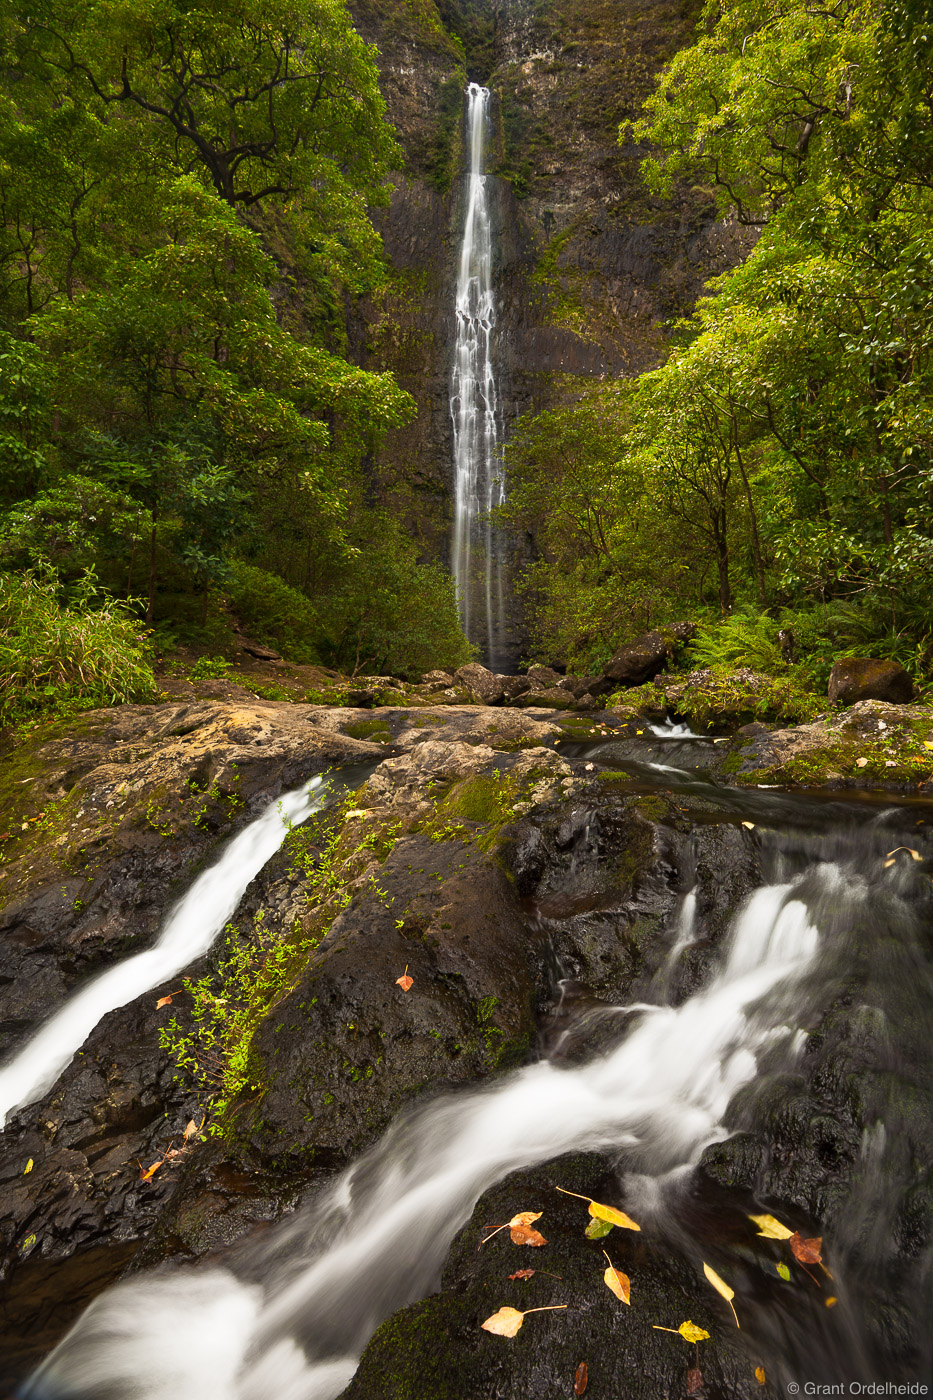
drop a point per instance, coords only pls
(187, 934)
(477, 554)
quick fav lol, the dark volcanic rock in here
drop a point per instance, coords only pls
(643, 659)
(857, 678)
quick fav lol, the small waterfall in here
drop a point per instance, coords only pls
(187, 934)
(477, 553)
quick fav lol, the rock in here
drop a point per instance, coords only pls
(577, 685)
(513, 686)
(643, 659)
(542, 677)
(586, 702)
(855, 678)
(260, 652)
(553, 698)
(485, 688)
(436, 680)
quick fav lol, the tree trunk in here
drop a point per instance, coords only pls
(150, 605)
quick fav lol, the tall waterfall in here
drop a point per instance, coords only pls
(477, 554)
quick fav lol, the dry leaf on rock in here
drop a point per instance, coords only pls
(760, 1375)
(806, 1251)
(580, 1379)
(617, 1282)
(694, 1381)
(688, 1330)
(405, 982)
(28, 1167)
(722, 1288)
(507, 1321)
(147, 1173)
(524, 1234)
(163, 1001)
(519, 1230)
(522, 1273)
(771, 1228)
(601, 1212)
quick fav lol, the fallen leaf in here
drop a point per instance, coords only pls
(519, 1222)
(771, 1228)
(523, 1234)
(914, 855)
(526, 1217)
(927, 744)
(694, 1381)
(598, 1229)
(507, 1321)
(193, 1128)
(749, 825)
(721, 1288)
(27, 1243)
(149, 1173)
(760, 1375)
(580, 1379)
(28, 1167)
(784, 1271)
(831, 1302)
(522, 1273)
(688, 1330)
(806, 1251)
(861, 762)
(163, 1001)
(617, 1282)
(405, 982)
(601, 1212)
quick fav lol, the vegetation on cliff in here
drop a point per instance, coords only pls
(779, 458)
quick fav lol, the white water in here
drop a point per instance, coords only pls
(188, 932)
(478, 480)
(377, 1239)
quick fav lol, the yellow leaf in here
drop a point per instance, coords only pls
(831, 1302)
(914, 855)
(927, 744)
(750, 825)
(601, 1212)
(688, 1330)
(760, 1375)
(617, 1282)
(722, 1288)
(28, 1167)
(771, 1228)
(861, 762)
(526, 1217)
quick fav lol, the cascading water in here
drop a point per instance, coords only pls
(293, 1324)
(188, 933)
(477, 552)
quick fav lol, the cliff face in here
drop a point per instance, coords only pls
(589, 266)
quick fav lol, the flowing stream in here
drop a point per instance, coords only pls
(187, 934)
(288, 1318)
(477, 554)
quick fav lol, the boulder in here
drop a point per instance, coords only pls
(643, 659)
(541, 677)
(480, 682)
(857, 678)
(261, 653)
(551, 698)
(577, 685)
(513, 686)
(437, 680)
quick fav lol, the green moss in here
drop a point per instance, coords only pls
(375, 730)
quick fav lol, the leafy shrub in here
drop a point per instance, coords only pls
(745, 638)
(275, 613)
(209, 668)
(87, 654)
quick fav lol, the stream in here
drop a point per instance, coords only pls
(286, 1316)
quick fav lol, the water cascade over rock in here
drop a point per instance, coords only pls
(477, 555)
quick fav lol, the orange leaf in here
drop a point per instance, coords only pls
(760, 1375)
(522, 1273)
(507, 1321)
(523, 1234)
(617, 1282)
(193, 1128)
(163, 1001)
(831, 1302)
(526, 1217)
(405, 982)
(580, 1379)
(150, 1172)
(806, 1251)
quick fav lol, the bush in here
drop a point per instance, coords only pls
(52, 656)
(275, 613)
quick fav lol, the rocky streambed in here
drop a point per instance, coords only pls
(529, 870)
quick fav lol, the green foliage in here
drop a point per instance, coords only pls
(273, 611)
(746, 638)
(209, 668)
(87, 654)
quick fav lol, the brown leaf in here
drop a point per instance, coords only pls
(760, 1375)
(507, 1321)
(522, 1273)
(193, 1128)
(523, 1234)
(694, 1381)
(163, 1001)
(806, 1251)
(580, 1379)
(617, 1282)
(405, 982)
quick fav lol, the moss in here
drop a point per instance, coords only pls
(375, 730)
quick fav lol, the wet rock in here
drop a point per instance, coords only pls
(624, 1353)
(437, 680)
(857, 678)
(553, 698)
(513, 686)
(542, 677)
(484, 687)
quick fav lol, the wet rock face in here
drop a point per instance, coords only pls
(857, 678)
